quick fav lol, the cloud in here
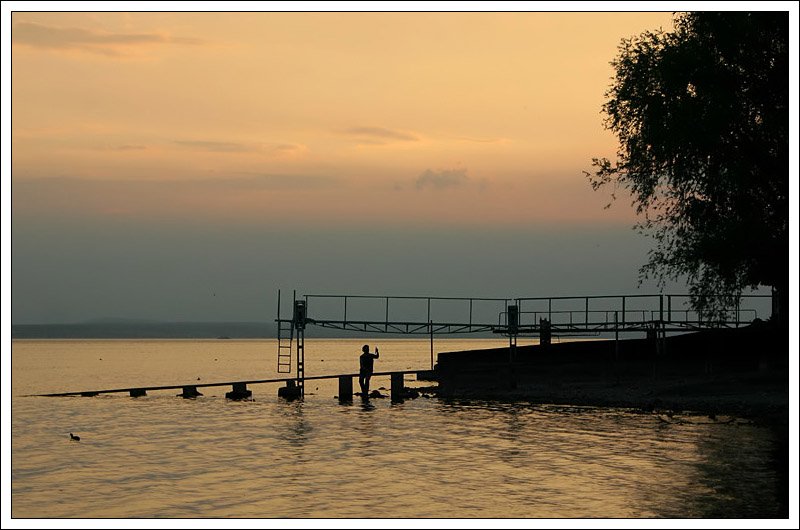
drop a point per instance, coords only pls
(102, 42)
(124, 147)
(231, 195)
(289, 150)
(271, 181)
(218, 147)
(483, 140)
(217, 184)
(130, 148)
(277, 150)
(447, 178)
(377, 135)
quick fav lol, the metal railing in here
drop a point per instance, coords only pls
(664, 308)
(446, 315)
(390, 323)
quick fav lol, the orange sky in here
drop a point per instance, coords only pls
(454, 118)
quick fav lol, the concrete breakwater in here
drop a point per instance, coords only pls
(741, 370)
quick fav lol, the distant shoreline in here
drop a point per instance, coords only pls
(145, 330)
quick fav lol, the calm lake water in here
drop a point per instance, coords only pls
(163, 456)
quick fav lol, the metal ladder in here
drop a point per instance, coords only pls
(285, 338)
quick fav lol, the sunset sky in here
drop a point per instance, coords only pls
(183, 166)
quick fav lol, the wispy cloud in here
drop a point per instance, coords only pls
(379, 135)
(289, 150)
(123, 147)
(101, 42)
(483, 140)
(129, 147)
(269, 149)
(240, 181)
(447, 178)
(279, 181)
(218, 147)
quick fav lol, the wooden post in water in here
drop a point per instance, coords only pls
(239, 392)
(345, 389)
(291, 391)
(189, 392)
(397, 386)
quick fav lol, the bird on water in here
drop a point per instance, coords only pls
(74, 437)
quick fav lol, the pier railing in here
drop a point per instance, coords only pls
(416, 315)
(655, 314)
(633, 312)
(405, 314)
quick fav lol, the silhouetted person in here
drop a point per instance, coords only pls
(366, 360)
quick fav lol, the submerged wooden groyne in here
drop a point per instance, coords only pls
(240, 391)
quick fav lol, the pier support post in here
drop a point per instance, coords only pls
(289, 392)
(545, 334)
(189, 392)
(345, 389)
(138, 392)
(239, 392)
(397, 386)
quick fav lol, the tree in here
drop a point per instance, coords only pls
(702, 118)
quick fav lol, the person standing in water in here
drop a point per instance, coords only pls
(366, 360)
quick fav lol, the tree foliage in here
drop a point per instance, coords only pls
(702, 118)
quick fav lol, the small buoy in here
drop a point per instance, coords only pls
(74, 437)
(215, 359)
(198, 379)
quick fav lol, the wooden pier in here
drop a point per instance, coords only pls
(240, 391)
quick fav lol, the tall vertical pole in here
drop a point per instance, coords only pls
(299, 323)
(738, 301)
(429, 309)
(586, 315)
(278, 320)
(669, 307)
(512, 323)
(430, 327)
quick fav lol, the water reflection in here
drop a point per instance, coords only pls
(169, 457)
(297, 428)
(731, 460)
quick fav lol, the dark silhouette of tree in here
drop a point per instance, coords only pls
(702, 118)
